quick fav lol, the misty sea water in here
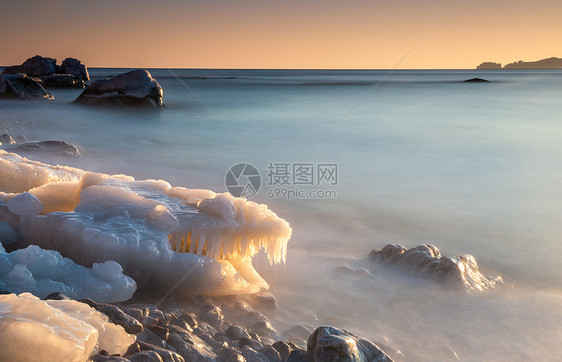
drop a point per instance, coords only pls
(473, 168)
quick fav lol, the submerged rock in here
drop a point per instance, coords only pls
(60, 148)
(134, 88)
(20, 86)
(333, 344)
(476, 80)
(426, 261)
(76, 68)
(63, 81)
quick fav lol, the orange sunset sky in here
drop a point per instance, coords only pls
(281, 34)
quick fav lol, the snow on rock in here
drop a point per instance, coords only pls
(55, 330)
(187, 241)
(25, 204)
(425, 261)
(42, 272)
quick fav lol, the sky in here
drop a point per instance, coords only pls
(402, 34)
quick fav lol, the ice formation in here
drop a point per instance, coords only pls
(55, 330)
(426, 261)
(161, 235)
(42, 272)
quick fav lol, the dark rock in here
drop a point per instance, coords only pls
(134, 88)
(212, 315)
(191, 347)
(6, 139)
(190, 319)
(117, 316)
(52, 147)
(89, 302)
(264, 328)
(62, 81)
(235, 357)
(76, 68)
(56, 296)
(489, 65)
(301, 356)
(476, 80)
(160, 331)
(272, 354)
(20, 86)
(102, 358)
(253, 356)
(225, 353)
(174, 328)
(333, 344)
(235, 332)
(204, 328)
(133, 348)
(283, 348)
(145, 356)
(255, 345)
(36, 66)
(134, 312)
(167, 355)
(152, 338)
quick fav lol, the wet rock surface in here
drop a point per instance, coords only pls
(20, 86)
(60, 148)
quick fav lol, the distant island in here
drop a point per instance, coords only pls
(549, 63)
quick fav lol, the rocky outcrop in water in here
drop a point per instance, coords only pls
(71, 73)
(476, 80)
(426, 261)
(76, 68)
(36, 66)
(134, 88)
(548, 63)
(20, 86)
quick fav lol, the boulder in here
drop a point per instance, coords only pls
(63, 81)
(36, 66)
(20, 86)
(460, 272)
(333, 344)
(134, 88)
(53, 147)
(76, 68)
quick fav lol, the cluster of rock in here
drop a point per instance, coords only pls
(426, 261)
(22, 146)
(28, 81)
(71, 72)
(548, 63)
(225, 329)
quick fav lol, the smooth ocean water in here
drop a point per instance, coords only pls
(473, 168)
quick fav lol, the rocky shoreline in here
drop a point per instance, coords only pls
(229, 328)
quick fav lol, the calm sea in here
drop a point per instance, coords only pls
(378, 156)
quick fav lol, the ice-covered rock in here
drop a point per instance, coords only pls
(20, 86)
(55, 330)
(333, 344)
(168, 239)
(25, 204)
(7, 234)
(134, 88)
(426, 261)
(42, 272)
